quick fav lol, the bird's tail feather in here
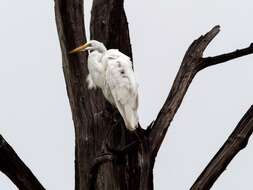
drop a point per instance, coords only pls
(131, 118)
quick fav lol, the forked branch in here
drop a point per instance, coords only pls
(236, 142)
(12, 166)
(191, 64)
(185, 75)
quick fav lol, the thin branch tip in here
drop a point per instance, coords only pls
(210, 61)
(212, 33)
(217, 27)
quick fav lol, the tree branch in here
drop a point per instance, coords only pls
(210, 61)
(236, 142)
(185, 75)
(191, 64)
(12, 166)
(109, 25)
(69, 16)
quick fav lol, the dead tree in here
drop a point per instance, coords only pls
(125, 162)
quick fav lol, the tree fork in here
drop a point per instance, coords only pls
(134, 170)
(92, 115)
(113, 167)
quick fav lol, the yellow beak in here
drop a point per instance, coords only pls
(82, 47)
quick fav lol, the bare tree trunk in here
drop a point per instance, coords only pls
(93, 117)
(121, 165)
(127, 163)
(121, 160)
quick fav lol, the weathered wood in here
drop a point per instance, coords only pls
(133, 169)
(192, 63)
(120, 160)
(210, 61)
(109, 25)
(71, 31)
(93, 116)
(12, 166)
(234, 144)
(188, 69)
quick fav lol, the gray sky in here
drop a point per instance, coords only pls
(35, 115)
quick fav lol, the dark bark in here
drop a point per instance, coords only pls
(71, 31)
(12, 166)
(132, 170)
(210, 61)
(100, 161)
(109, 25)
(120, 159)
(93, 116)
(188, 69)
(192, 63)
(235, 142)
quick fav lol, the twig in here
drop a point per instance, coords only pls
(210, 61)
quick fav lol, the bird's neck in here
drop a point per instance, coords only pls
(101, 49)
(97, 53)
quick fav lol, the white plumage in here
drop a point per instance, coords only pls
(112, 71)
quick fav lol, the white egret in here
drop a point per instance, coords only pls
(112, 71)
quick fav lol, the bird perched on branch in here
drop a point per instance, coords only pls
(112, 71)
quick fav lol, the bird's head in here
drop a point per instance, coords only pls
(92, 45)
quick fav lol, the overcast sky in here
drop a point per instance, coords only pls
(35, 114)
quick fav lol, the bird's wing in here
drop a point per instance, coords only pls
(121, 83)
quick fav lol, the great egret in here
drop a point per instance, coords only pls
(112, 71)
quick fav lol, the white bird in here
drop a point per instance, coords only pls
(112, 71)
